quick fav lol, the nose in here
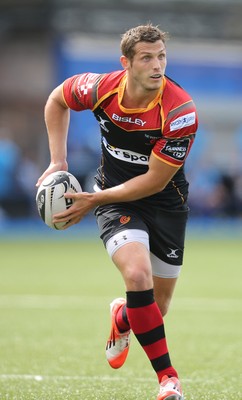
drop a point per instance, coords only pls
(157, 63)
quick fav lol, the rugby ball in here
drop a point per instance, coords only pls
(50, 198)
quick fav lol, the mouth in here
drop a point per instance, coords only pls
(156, 76)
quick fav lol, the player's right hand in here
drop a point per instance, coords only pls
(53, 167)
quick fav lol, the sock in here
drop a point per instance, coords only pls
(122, 319)
(146, 322)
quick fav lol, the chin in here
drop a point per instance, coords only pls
(153, 87)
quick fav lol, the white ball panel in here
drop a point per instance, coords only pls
(50, 198)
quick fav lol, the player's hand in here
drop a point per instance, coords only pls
(82, 205)
(53, 167)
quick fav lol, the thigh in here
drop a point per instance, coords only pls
(167, 239)
(113, 219)
(133, 261)
(167, 236)
(126, 239)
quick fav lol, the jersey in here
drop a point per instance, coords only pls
(128, 136)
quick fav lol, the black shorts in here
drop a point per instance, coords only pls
(166, 229)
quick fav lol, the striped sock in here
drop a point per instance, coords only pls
(147, 324)
(122, 319)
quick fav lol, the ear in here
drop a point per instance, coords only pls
(124, 62)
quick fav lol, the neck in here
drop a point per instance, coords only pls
(136, 100)
(137, 97)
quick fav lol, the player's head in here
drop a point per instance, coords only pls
(142, 33)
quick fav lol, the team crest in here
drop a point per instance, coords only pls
(124, 219)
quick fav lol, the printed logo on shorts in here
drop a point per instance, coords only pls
(124, 219)
(173, 254)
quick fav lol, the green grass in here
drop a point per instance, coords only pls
(54, 321)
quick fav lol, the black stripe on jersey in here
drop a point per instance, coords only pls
(161, 363)
(172, 139)
(182, 107)
(95, 88)
(172, 80)
(73, 93)
(152, 336)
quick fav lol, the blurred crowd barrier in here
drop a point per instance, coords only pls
(30, 68)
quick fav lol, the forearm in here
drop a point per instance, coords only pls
(57, 118)
(131, 190)
(147, 184)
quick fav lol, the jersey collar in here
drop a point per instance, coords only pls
(151, 105)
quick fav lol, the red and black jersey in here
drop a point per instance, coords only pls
(166, 128)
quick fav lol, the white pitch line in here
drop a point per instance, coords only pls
(40, 378)
(26, 301)
(80, 378)
(207, 304)
(49, 301)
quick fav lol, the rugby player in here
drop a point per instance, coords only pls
(147, 124)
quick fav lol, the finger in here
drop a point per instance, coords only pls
(71, 222)
(42, 177)
(65, 216)
(69, 195)
(61, 218)
(38, 183)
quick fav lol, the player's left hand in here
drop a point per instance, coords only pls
(81, 206)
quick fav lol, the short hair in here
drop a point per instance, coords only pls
(142, 33)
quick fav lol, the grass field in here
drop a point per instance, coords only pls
(54, 321)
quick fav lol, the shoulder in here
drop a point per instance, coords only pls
(83, 91)
(107, 85)
(112, 78)
(179, 110)
(174, 94)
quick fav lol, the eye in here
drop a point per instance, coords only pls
(146, 58)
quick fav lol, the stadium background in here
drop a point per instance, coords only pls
(44, 41)
(54, 294)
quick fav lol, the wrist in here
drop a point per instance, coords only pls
(60, 164)
(99, 198)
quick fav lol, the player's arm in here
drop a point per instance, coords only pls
(153, 181)
(57, 117)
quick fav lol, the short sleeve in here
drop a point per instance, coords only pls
(178, 135)
(79, 91)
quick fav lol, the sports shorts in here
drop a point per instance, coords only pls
(161, 231)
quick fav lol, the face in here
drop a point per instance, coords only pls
(148, 65)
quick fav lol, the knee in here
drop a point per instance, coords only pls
(138, 278)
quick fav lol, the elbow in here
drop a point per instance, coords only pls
(160, 188)
(159, 185)
(157, 188)
(56, 98)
